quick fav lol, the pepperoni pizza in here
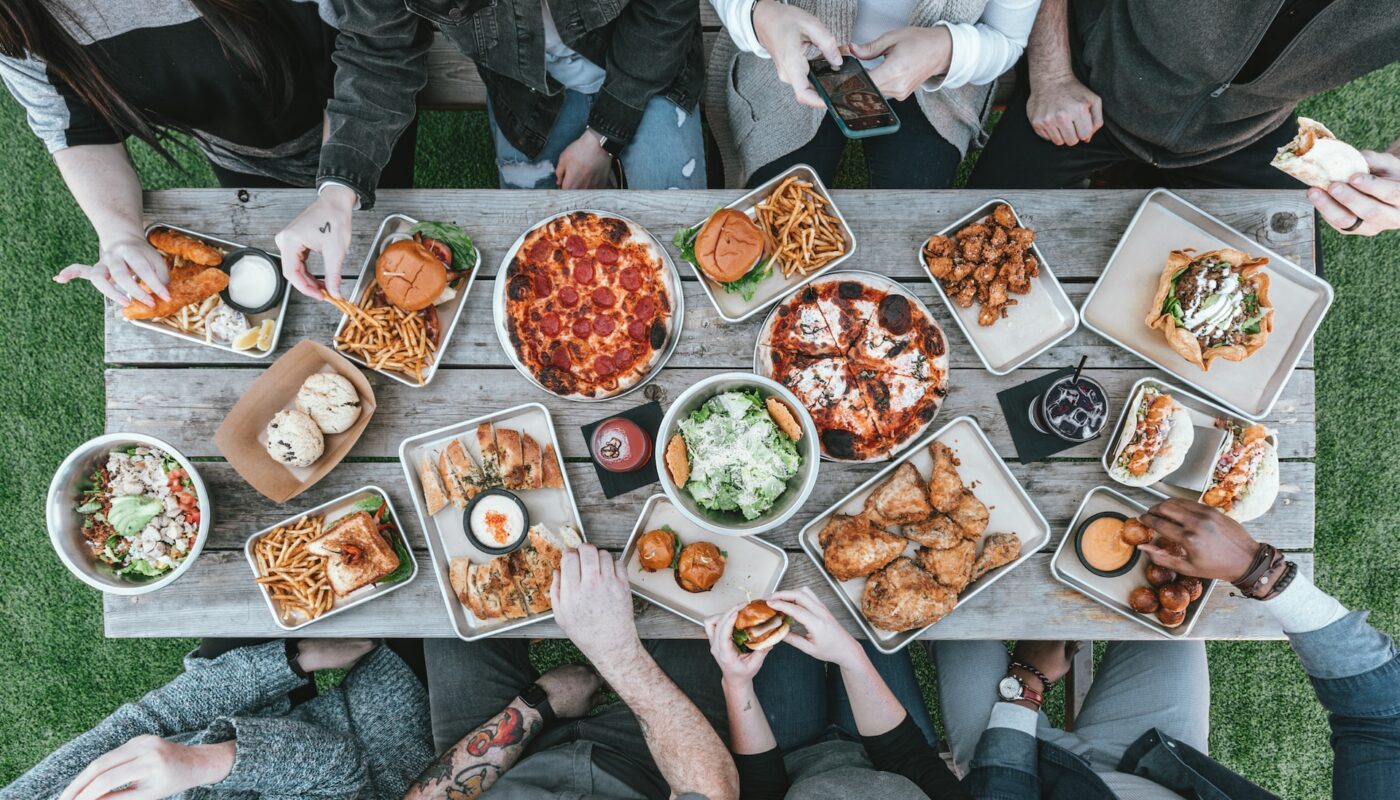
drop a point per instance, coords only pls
(866, 359)
(589, 305)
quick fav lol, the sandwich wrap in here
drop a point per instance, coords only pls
(1167, 438)
(1244, 483)
(1318, 158)
(1186, 326)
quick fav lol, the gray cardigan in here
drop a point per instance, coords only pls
(367, 739)
(756, 119)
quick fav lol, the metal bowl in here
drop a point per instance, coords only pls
(732, 523)
(66, 524)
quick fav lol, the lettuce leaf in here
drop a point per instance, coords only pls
(456, 239)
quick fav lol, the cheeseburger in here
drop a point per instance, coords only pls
(759, 627)
(410, 275)
(728, 246)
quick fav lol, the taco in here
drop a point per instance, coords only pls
(1154, 441)
(1244, 483)
(1213, 305)
(1318, 158)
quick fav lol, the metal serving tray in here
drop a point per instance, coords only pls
(277, 312)
(1113, 592)
(444, 531)
(1010, 507)
(345, 503)
(673, 280)
(1203, 413)
(731, 306)
(1038, 321)
(392, 229)
(1119, 303)
(753, 567)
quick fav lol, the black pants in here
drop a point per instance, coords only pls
(914, 157)
(397, 174)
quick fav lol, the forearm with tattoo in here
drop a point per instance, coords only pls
(471, 766)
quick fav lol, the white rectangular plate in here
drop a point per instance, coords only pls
(1118, 305)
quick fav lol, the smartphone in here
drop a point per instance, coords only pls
(852, 99)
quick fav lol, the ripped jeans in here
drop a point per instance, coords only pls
(668, 151)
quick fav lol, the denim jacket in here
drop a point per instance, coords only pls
(1355, 671)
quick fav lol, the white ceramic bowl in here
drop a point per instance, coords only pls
(732, 523)
(66, 524)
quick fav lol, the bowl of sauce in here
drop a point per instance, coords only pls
(255, 282)
(1098, 541)
(496, 521)
(620, 445)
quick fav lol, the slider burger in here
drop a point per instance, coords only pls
(759, 627)
(1318, 158)
(411, 277)
(1244, 483)
(1155, 440)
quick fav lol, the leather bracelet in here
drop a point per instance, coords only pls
(1255, 583)
(1044, 681)
(1290, 571)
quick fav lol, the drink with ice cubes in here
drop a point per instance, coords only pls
(1074, 409)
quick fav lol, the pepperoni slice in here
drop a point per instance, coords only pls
(637, 330)
(603, 325)
(539, 250)
(604, 366)
(607, 254)
(568, 296)
(582, 328)
(646, 308)
(560, 357)
(575, 245)
(542, 284)
(583, 270)
(603, 296)
(549, 323)
(631, 279)
(622, 358)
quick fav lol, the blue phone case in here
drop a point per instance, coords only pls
(841, 123)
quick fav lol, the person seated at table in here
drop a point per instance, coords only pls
(499, 728)
(246, 81)
(936, 62)
(572, 86)
(1200, 94)
(1143, 730)
(231, 727)
(798, 732)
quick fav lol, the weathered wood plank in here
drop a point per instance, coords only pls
(186, 406)
(218, 596)
(1056, 488)
(706, 341)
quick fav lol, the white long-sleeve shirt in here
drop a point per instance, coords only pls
(981, 51)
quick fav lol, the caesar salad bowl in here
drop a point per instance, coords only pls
(784, 505)
(65, 523)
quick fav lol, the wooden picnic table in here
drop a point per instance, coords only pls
(180, 392)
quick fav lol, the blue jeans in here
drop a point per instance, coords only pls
(804, 704)
(668, 151)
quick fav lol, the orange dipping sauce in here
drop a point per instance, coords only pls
(1102, 545)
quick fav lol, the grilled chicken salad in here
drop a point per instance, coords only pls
(141, 513)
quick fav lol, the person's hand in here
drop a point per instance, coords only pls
(785, 32)
(737, 669)
(1216, 547)
(151, 768)
(324, 227)
(573, 690)
(1051, 658)
(593, 606)
(316, 654)
(1063, 110)
(912, 56)
(120, 264)
(1371, 198)
(823, 637)
(584, 164)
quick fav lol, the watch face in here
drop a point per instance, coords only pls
(1009, 688)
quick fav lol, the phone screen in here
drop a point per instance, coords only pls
(852, 94)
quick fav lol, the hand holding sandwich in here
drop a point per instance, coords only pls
(1368, 203)
(823, 637)
(1216, 547)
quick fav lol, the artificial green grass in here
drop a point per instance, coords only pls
(60, 675)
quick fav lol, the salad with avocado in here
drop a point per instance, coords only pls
(1210, 299)
(739, 459)
(140, 513)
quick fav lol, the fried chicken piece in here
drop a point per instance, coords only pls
(188, 285)
(984, 273)
(1000, 237)
(853, 548)
(951, 567)
(1134, 532)
(938, 532)
(975, 229)
(1032, 267)
(177, 244)
(903, 596)
(900, 500)
(966, 295)
(1022, 237)
(1002, 216)
(997, 550)
(961, 269)
(971, 247)
(988, 315)
(996, 293)
(940, 267)
(945, 487)
(970, 514)
(939, 247)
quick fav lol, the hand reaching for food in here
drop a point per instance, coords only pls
(324, 227)
(1199, 541)
(822, 636)
(128, 270)
(593, 606)
(785, 32)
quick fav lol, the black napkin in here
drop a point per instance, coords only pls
(1031, 444)
(648, 417)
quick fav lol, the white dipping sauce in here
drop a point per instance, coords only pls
(252, 281)
(497, 521)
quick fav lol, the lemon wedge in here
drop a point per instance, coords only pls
(246, 340)
(265, 334)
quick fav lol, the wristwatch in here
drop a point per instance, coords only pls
(535, 697)
(1013, 688)
(610, 145)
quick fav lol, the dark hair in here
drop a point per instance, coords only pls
(257, 38)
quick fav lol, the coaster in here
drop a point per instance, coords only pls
(648, 418)
(1031, 444)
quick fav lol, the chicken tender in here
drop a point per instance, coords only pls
(1003, 216)
(174, 243)
(997, 550)
(939, 532)
(945, 486)
(853, 548)
(971, 515)
(188, 285)
(903, 596)
(951, 567)
(900, 500)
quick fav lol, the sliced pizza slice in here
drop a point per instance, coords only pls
(910, 345)
(799, 327)
(845, 426)
(848, 306)
(902, 406)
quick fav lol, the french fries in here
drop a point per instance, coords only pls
(385, 337)
(294, 577)
(803, 234)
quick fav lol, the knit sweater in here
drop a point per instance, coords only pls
(367, 739)
(756, 119)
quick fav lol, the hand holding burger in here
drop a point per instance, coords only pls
(822, 637)
(738, 664)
